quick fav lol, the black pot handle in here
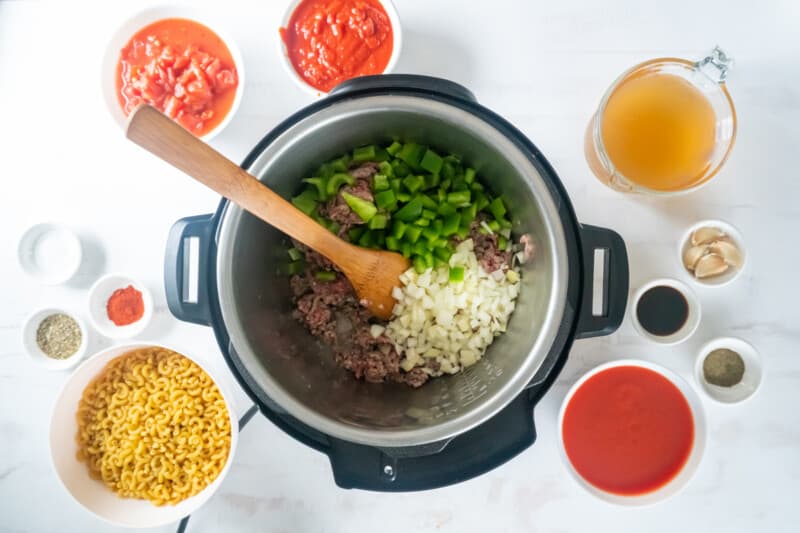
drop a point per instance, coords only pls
(467, 456)
(189, 303)
(615, 282)
(416, 82)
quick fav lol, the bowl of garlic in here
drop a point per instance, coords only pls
(712, 252)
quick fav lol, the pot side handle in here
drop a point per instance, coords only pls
(187, 252)
(416, 82)
(614, 282)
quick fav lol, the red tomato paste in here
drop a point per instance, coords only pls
(628, 430)
(182, 68)
(329, 41)
(125, 306)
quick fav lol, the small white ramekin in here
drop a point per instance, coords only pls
(689, 327)
(148, 16)
(731, 232)
(36, 354)
(99, 294)
(751, 380)
(686, 473)
(397, 45)
(66, 252)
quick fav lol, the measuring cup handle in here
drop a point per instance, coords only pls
(716, 65)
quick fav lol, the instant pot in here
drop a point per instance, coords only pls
(223, 270)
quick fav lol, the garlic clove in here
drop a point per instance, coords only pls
(692, 255)
(706, 235)
(710, 265)
(728, 251)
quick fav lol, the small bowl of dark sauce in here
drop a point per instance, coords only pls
(665, 311)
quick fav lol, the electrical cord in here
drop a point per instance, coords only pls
(242, 423)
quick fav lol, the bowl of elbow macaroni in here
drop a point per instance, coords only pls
(142, 435)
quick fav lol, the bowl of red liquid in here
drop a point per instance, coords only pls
(632, 432)
(173, 59)
(323, 43)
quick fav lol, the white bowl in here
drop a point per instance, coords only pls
(138, 21)
(397, 45)
(751, 380)
(29, 329)
(50, 253)
(734, 235)
(92, 494)
(692, 321)
(99, 294)
(698, 446)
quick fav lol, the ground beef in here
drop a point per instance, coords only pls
(364, 170)
(337, 209)
(489, 256)
(330, 310)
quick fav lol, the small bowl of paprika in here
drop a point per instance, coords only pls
(120, 307)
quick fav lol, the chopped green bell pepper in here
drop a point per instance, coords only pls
(413, 183)
(379, 221)
(456, 274)
(413, 233)
(363, 208)
(411, 211)
(336, 181)
(365, 153)
(460, 198)
(380, 182)
(295, 254)
(386, 200)
(497, 208)
(398, 229)
(431, 162)
(306, 201)
(325, 275)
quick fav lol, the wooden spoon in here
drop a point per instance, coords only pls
(373, 273)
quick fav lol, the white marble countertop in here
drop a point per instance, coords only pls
(544, 66)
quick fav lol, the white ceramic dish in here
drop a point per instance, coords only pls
(698, 447)
(397, 46)
(692, 321)
(734, 235)
(99, 294)
(29, 329)
(49, 253)
(92, 494)
(751, 380)
(138, 21)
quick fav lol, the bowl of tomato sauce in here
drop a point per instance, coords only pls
(632, 432)
(172, 59)
(323, 43)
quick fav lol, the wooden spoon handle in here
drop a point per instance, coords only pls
(158, 134)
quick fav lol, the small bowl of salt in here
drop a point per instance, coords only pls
(50, 253)
(55, 339)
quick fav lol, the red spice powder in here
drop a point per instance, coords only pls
(125, 306)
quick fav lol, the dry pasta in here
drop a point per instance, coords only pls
(153, 425)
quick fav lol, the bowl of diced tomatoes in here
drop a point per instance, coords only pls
(172, 59)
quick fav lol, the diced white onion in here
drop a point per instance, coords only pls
(451, 323)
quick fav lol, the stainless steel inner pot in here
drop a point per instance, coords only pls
(296, 371)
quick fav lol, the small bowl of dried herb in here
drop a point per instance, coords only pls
(729, 370)
(55, 339)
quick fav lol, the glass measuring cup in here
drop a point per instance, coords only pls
(664, 127)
